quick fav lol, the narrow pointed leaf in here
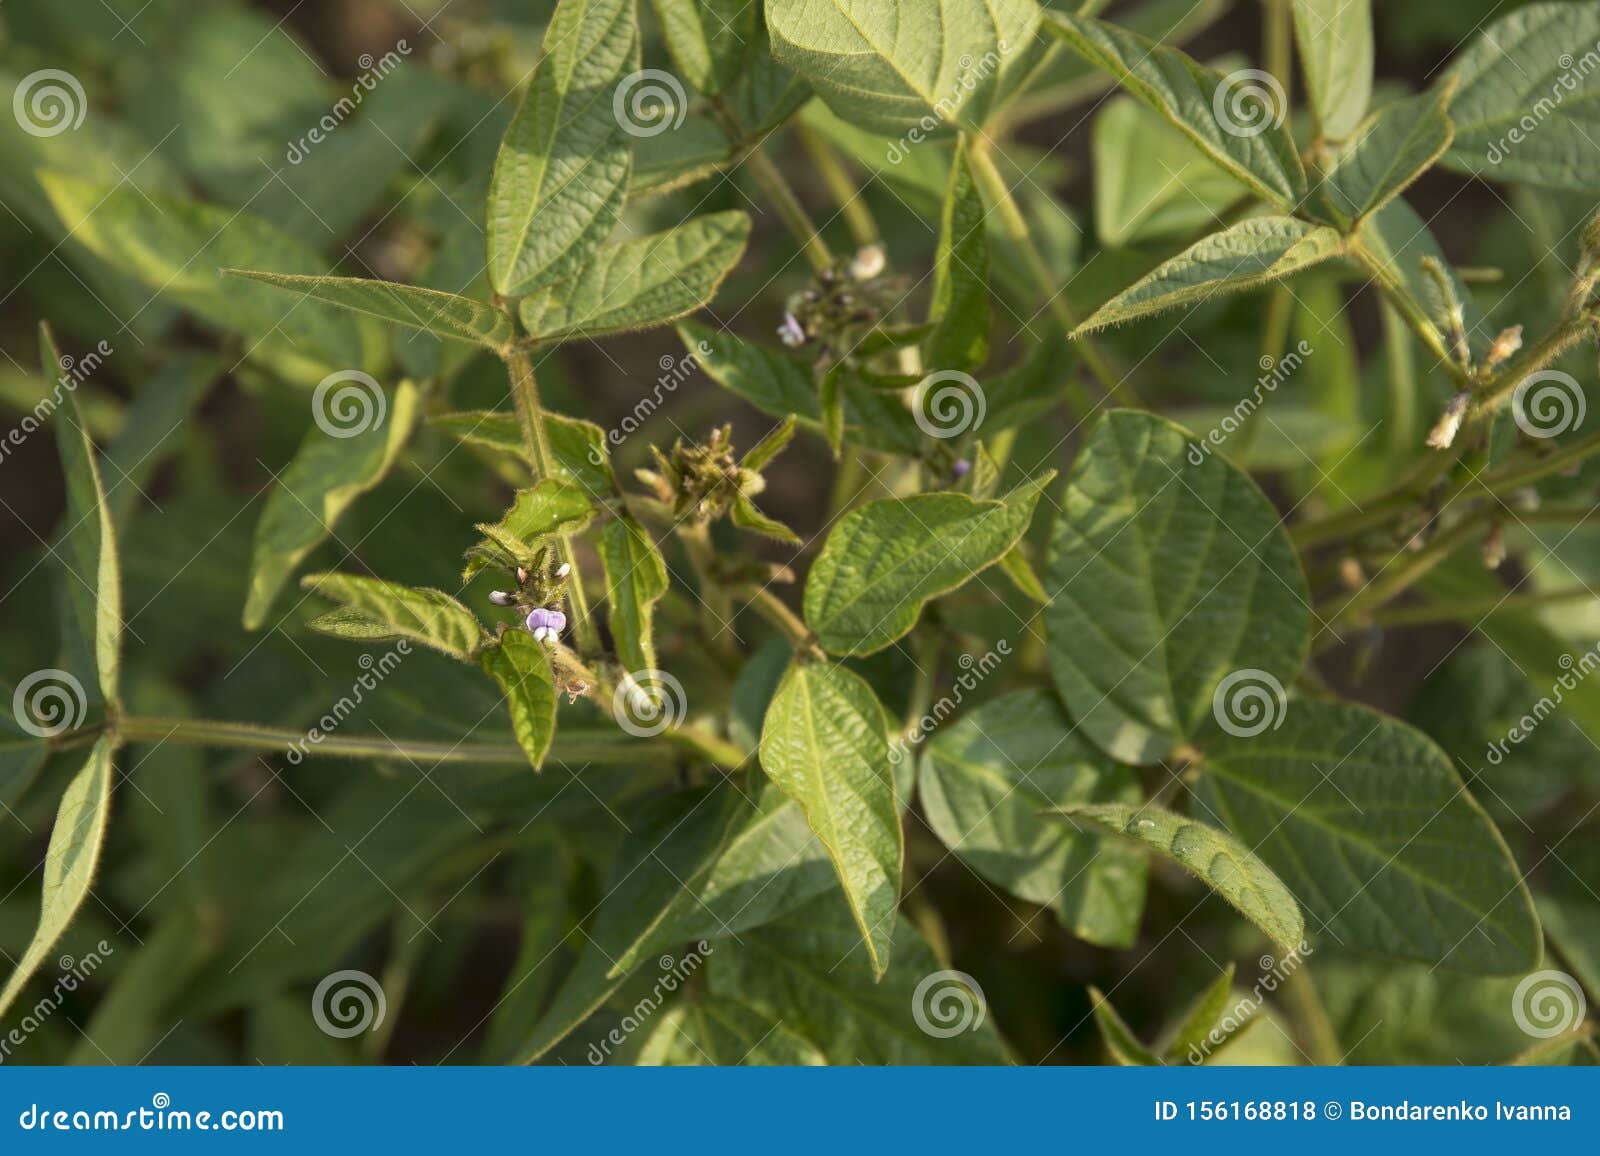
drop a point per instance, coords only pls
(443, 314)
(960, 305)
(561, 176)
(1335, 41)
(1150, 181)
(1168, 571)
(522, 668)
(69, 863)
(770, 446)
(710, 40)
(886, 559)
(551, 507)
(824, 745)
(1243, 256)
(724, 1032)
(642, 283)
(1234, 119)
(746, 516)
(1120, 1040)
(431, 617)
(1214, 857)
(1193, 1031)
(313, 492)
(636, 578)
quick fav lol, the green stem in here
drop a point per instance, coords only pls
(1016, 225)
(767, 604)
(1540, 354)
(852, 201)
(776, 187)
(1416, 567)
(716, 606)
(1276, 34)
(1320, 1034)
(525, 391)
(1473, 608)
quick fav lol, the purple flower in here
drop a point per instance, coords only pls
(961, 468)
(546, 625)
(791, 332)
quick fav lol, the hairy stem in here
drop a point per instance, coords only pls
(852, 201)
(767, 604)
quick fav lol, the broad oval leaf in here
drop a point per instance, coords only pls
(1168, 571)
(431, 617)
(1335, 41)
(1150, 180)
(1373, 830)
(1523, 107)
(436, 312)
(825, 745)
(1391, 150)
(640, 283)
(561, 176)
(894, 65)
(1249, 140)
(522, 668)
(985, 778)
(313, 492)
(69, 862)
(886, 559)
(1214, 857)
(1243, 256)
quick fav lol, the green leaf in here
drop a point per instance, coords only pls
(1168, 571)
(886, 559)
(579, 446)
(431, 617)
(1237, 120)
(175, 247)
(561, 176)
(1398, 240)
(1150, 181)
(1391, 150)
(1335, 40)
(806, 973)
(746, 516)
(21, 753)
(69, 862)
(1373, 830)
(327, 474)
(1214, 857)
(641, 283)
(897, 65)
(1523, 107)
(1190, 1036)
(778, 386)
(522, 668)
(769, 447)
(824, 745)
(150, 434)
(1247, 255)
(724, 1032)
(551, 507)
(442, 314)
(91, 590)
(984, 780)
(960, 305)
(709, 40)
(636, 578)
(1120, 1040)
